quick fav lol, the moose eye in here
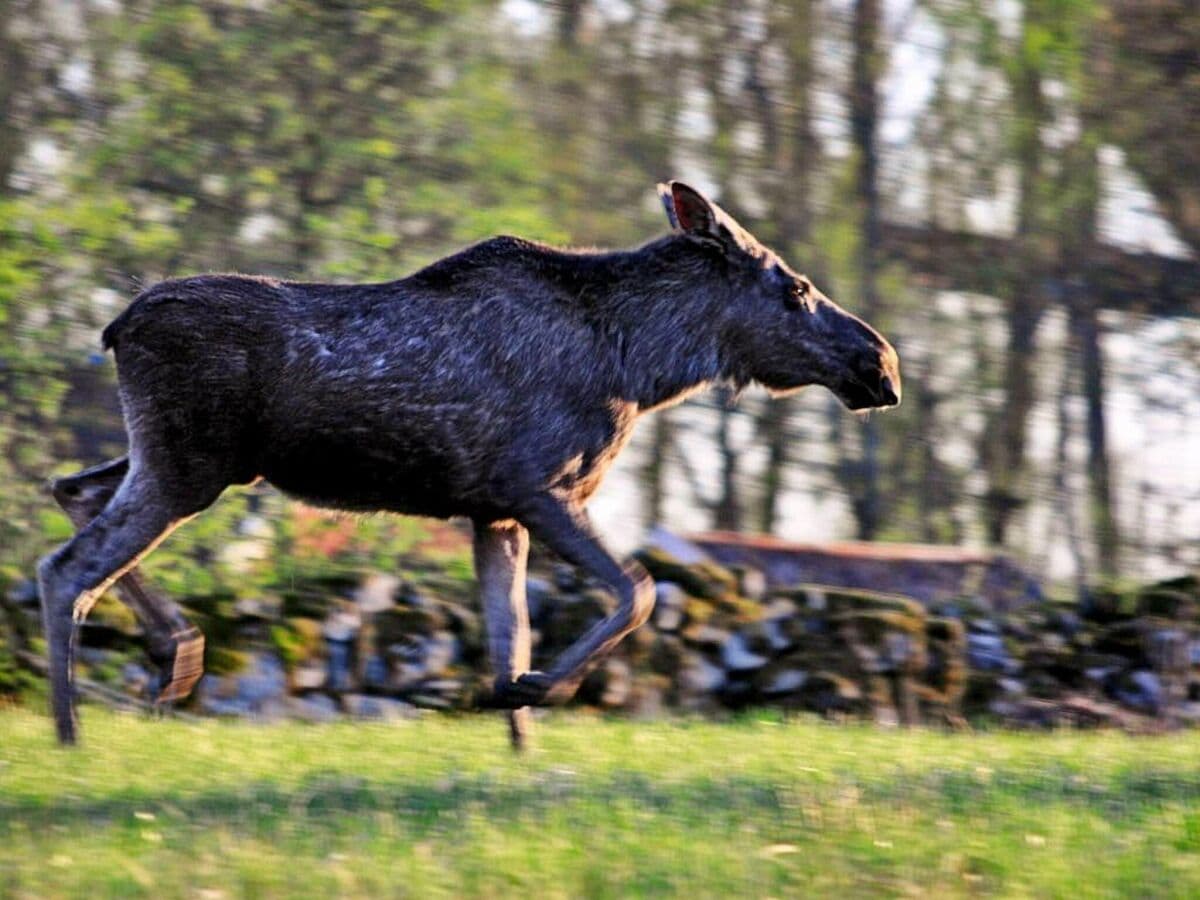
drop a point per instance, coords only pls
(797, 297)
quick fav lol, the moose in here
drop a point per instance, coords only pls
(497, 384)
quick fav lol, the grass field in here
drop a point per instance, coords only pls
(752, 808)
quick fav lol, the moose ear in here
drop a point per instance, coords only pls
(668, 202)
(689, 210)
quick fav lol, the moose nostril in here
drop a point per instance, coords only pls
(887, 392)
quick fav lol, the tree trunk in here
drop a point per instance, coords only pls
(1003, 452)
(864, 113)
(727, 513)
(772, 429)
(789, 154)
(14, 72)
(654, 486)
(1081, 176)
(1086, 327)
(1062, 494)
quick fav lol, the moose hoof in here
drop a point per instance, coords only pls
(181, 665)
(530, 689)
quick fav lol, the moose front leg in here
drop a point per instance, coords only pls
(564, 528)
(175, 645)
(501, 553)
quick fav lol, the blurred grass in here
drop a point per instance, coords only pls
(754, 807)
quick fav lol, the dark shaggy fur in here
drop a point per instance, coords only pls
(498, 383)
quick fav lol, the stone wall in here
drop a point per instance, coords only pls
(721, 638)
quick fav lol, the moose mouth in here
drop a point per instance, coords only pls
(859, 395)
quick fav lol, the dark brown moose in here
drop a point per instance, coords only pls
(498, 384)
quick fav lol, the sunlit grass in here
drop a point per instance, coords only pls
(756, 807)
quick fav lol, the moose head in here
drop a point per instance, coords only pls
(782, 331)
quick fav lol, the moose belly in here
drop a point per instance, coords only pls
(369, 475)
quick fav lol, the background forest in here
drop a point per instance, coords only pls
(1009, 190)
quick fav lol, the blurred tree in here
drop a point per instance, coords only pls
(790, 153)
(860, 470)
(1004, 440)
(1156, 54)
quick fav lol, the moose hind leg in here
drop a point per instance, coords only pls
(72, 577)
(501, 552)
(564, 528)
(175, 645)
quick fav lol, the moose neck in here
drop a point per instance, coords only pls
(664, 306)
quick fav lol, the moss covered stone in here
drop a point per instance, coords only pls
(706, 580)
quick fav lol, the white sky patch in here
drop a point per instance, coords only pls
(908, 85)
(258, 227)
(996, 213)
(1129, 215)
(1008, 15)
(616, 12)
(526, 17)
(76, 76)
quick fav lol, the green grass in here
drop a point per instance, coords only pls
(751, 808)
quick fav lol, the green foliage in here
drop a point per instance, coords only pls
(296, 640)
(364, 139)
(16, 681)
(359, 140)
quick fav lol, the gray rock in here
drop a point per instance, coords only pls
(1168, 650)
(609, 685)
(784, 681)
(987, 653)
(1100, 675)
(736, 656)
(647, 700)
(777, 639)
(669, 604)
(265, 679)
(312, 708)
(418, 658)
(668, 618)
(310, 676)
(439, 652)
(1013, 687)
(699, 676)
(375, 672)
(815, 599)
(377, 592)
(1067, 622)
(983, 626)
(781, 608)
(705, 635)
(385, 709)
(404, 677)
(259, 690)
(137, 679)
(752, 583)
(337, 659)
(683, 550)
(1141, 690)
(1189, 712)
(437, 693)
(618, 683)
(342, 624)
